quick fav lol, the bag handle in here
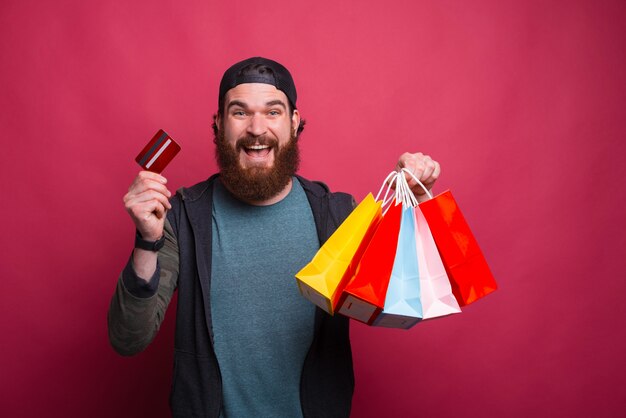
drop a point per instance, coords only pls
(428, 193)
(396, 189)
(402, 193)
(388, 182)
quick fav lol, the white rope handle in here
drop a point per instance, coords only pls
(408, 198)
(394, 191)
(388, 184)
(430, 196)
(385, 183)
(390, 198)
(402, 193)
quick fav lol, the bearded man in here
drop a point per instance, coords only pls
(247, 344)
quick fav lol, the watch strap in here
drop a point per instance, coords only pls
(149, 245)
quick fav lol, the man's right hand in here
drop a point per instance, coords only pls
(147, 202)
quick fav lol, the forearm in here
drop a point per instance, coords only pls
(144, 263)
(139, 305)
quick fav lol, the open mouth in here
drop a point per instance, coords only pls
(257, 151)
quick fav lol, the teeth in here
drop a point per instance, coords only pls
(258, 147)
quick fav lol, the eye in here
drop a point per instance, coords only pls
(274, 112)
(238, 113)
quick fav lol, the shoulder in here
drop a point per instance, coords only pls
(340, 204)
(320, 189)
(199, 193)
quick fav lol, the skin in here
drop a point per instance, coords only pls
(257, 110)
(147, 202)
(424, 168)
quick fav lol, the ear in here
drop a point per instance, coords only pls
(295, 121)
(218, 120)
(216, 126)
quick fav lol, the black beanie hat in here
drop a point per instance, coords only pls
(259, 70)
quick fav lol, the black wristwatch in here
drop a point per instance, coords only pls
(149, 245)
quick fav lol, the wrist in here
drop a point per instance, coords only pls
(149, 244)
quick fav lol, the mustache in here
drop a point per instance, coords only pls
(248, 141)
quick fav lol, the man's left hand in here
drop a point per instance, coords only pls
(424, 168)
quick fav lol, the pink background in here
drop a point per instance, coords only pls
(522, 102)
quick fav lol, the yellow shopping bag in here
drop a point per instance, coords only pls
(323, 279)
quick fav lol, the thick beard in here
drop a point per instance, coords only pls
(256, 184)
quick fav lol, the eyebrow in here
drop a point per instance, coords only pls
(276, 102)
(236, 103)
(245, 106)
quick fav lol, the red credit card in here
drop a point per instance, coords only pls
(158, 153)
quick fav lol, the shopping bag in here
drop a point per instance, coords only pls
(435, 291)
(467, 269)
(403, 307)
(363, 297)
(322, 280)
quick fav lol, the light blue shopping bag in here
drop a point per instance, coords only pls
(403, 307)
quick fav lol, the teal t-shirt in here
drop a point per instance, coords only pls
(262, 326)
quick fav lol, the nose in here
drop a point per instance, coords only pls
(257, 125)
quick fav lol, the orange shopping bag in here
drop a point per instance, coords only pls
(322, 280)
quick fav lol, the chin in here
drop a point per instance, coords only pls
(246, 165)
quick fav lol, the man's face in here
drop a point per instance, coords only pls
(256, 146)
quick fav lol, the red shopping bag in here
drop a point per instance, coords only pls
(465, 264)
(364, 296)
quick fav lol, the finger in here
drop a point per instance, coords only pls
(147, 177)
(417, 169)
(153, 195)
(432, 178)
(150, 226)
(132, 198)
(148, 218)
(411, 162)
(148, 182)
(148, 196)
(147, 210)
(152, 176)
(408, 160)
(429, 168)
(144, 185)
(158, 197)
(437, 171)
(159, 210)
